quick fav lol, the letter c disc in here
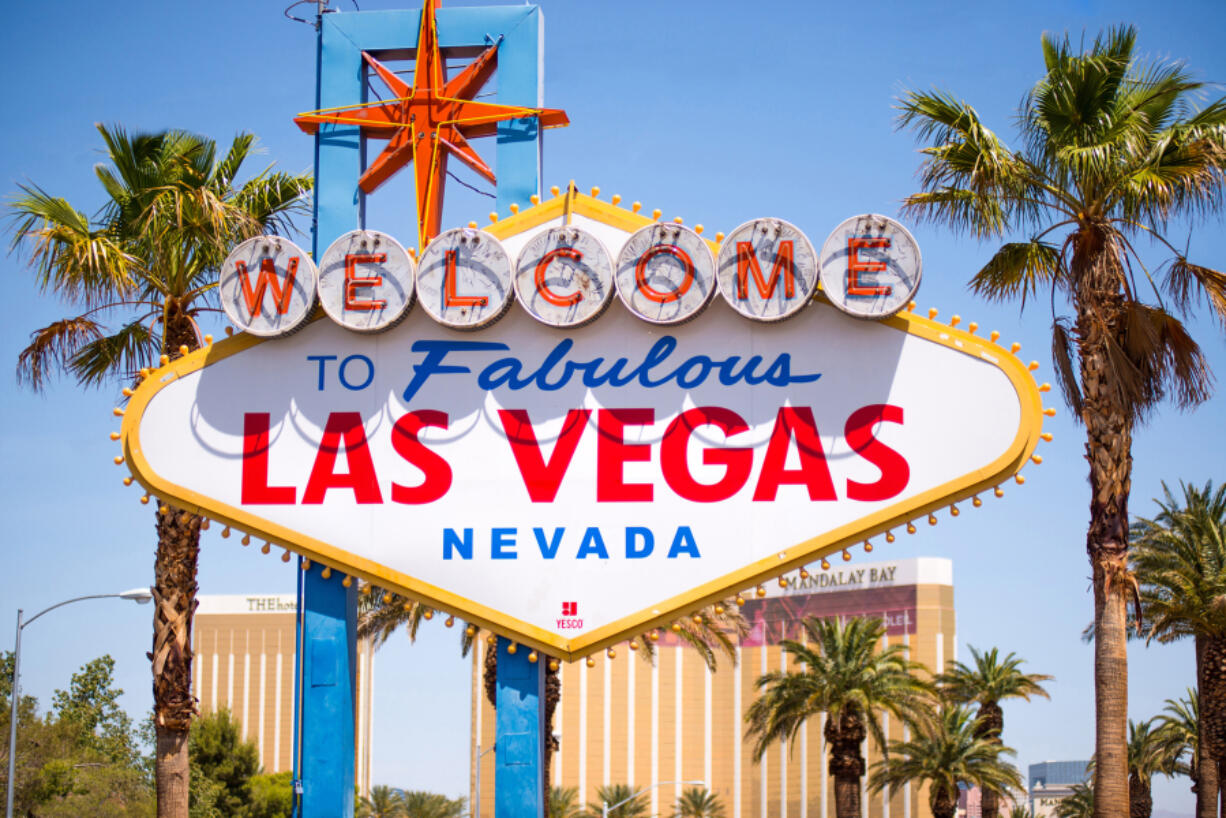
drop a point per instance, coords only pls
(564, 277)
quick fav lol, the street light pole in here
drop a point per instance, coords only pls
(605, 809)
(138, 595)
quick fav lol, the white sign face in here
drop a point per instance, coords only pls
(632, 475)
(464, 279)
(564, 277)
(665, 274)
(767, 269)
(870, 266)
(366, 281)
(267, 286)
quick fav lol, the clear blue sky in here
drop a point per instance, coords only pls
(715, 111)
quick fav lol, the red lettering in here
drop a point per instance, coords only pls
(640, 273)
(255, 488)
(437, 471)
(267, 280)
(353, 281)
(895, 472)
(343, 429)
(613, 453)
(541, 478)
(737, 463)
(543, 265)
(747, 262)
(813, 473)
(450, 299)
(855, 266)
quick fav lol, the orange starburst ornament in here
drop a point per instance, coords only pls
(427, 122)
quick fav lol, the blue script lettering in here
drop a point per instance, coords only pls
(557, 369)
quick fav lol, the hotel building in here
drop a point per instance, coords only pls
(244, 661)
(630, 721)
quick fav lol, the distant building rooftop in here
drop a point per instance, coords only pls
(1049, 774)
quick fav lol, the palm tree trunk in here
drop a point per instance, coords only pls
(1211, 686)
(1140, 802)
(944, 804)
(1205, 769)
(846, 764)
(989, 724)
(1109, 452)
(174, 597)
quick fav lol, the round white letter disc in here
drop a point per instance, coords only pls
(871, 266)
(665, 274)
(564, 277)
(267, 286)
(464, 279)
(767, 269)
(366, 281)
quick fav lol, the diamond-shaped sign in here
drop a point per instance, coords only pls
(624, 471)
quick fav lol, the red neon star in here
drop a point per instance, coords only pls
(429, 121)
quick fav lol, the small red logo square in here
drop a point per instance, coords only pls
(570, 609)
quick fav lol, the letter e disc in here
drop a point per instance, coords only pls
(665, 274)
(871, 266)
(267, 286)
(464, 279)
(366, 281)
(767, 270)
(564, 277)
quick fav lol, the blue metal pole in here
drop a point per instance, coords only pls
(519, 787)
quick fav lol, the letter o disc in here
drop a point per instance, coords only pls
(267, 286)
(464, 279)
(886, 261)
(767, 270)
(366, 281)
(564, 277)
(665, 274)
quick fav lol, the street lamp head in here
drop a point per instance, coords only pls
(138, 595)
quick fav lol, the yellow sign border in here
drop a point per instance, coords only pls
(661, 614)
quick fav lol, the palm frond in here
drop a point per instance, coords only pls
(1188, 283)
(1018, 269)
(52, 348)
(1063, 357)
(122, 353)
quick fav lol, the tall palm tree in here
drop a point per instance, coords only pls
(989, 682)
(1179, 731)
(1078, 805)
(944, 753)
(1111, 150)
(142, 272)
(1148, 753)
(698, 802)
(845, 674)
(564, 803)
(1179, 558)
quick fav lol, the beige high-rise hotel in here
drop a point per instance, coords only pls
(244, 661)
(627, 721)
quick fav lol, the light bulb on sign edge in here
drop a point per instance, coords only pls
(512, 648)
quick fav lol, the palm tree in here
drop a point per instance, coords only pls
(849, 677)
(418, 804)
(148, 262)
(631, 803)
(946, 752)
(1148, 753)
(1078, 805)
(383, 802)
(1179, 731)
(564, 803)
(1179, 558)
(989, 682)
(1112, 149)
(698, 802)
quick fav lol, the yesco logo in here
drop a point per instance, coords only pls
(570, 610)
(766, 270)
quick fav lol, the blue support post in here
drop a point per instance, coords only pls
(324, 710)
(519, 788)
(325, 700)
